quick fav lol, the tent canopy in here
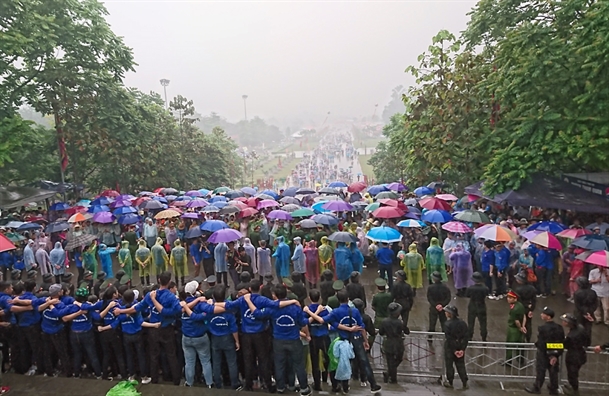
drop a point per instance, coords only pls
(13, 197)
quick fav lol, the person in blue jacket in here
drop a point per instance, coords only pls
(106, 259)
(342, 258)
(499, 270)
(282, 258)
(487, 262)
(544, 269)
(54, 338)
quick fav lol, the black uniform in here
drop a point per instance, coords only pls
(356, 290)
(575, 343)
(477, 309)
(528, 297)
(402, 294)
(266, 290)
(438, 293)
(300, 290)
(326, 290)
(549, 338)
(586, 302)
(393, 345)
(457, 336)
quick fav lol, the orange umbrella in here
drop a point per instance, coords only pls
(77, 218)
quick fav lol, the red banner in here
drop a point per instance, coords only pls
(63, 153)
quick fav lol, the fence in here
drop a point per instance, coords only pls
(503, 362)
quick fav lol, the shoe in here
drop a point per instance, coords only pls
(532, 389)
(539, 295)
(280, 391)
(146, 380)
(317, 388)
(500, 297)
(334, 390)
(363, 384)
(375, 389)
(4, 390)
(465, 386)
(544, 296)
(110, 378)
(346, 391)
(100, 378)
(239, 388)
(132, 378)
(118, 377)
(448, 384)
(306, 391)
(491, 297)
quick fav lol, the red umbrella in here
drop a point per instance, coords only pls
(158, 190)
(138, 201)
(252, 202)
(571, 233)
(179, 203)
(394, 203)
(247, 212)
(75, 209)
(387, 212)
(6, 244)
(238, 204)
(435, 203)
(357, 187)
(109, 193)
(240, 199)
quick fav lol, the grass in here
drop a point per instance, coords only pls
(307, 144)
(265, 166)
(287, 169)
(366, 169)
(367, 142)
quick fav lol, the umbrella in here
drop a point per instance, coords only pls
(225, 235)
(170, 198)
(341, 236)
(410, 201)
(472, 216)
(359, 205)
(325, 219)
(290, 208)
(210, 209)
(303, 212)
(204, 191)
(329, 190)
(399, 187)
(337, 206)
(145, 193)
(592, 242)
(77, 218)
(290, 192)
(280, 215)
(338, 184)
(384, 234)
(420, 191)
(267, 203)
(573, 233)
(57, 227)
(247, 212)
(194, 233)
(167, 214)
(101, 201)
(447, 197)
(387, 212)
(394, 203)
(307, 223)
(551, 226)
(495, 233)
(152, 204)
(238, 204)
(456, 226)
(411, 223)
(547, 240)
(160, 199)
(182, 198)
(14, 224)
(14, 237)
(6, 244)
(120, 203)
(434, 203)
(83, 202)
(252, 202)
(98, 209)
(264, 196)
(600, 258)
(169, 191)
(197, 203)
(213, 225)
(29, 226)
(240, 199)
(220, 204)
(326, 198)
(374, 190)
(248, 191)
(125, 197)
(273, 193)
(229, 209)
(436, 216)
(318, 207)
(129, 218)
(385, 195)
(221, 190)
(80, 240)
(124, 210)
(179, 204)
(289, 200)
(110, 193)
(191, 215)
(232, 194)
(218, 198)
(103, 217)
(356, 187)
(139, 201)
(193, 193)
(304, 191)
(531, 234)
(413, 215)
(59, 206)
(372, 207)
(434, 185)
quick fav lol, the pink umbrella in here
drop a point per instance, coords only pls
(573, 233)
(447, 197)
(456, 226)
(531, 234)
(196, 203)
(548, 240)
(180, 203)
(472, 198)
(194, 193)
(435, 203)
(103, 217)
(267, 203)
(600, 258)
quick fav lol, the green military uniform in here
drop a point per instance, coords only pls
(380, 304)
(514, 334)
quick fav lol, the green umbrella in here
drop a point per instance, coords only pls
(472, 216)
(372, 207)
(304, 212)
(14, 237)
(386, 195)
(221, 190)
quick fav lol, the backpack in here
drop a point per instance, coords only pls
(531, 277)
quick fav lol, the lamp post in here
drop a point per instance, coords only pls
(244, 106)
(165, 83)
(254, 157)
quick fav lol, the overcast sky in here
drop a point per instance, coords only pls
(294, 59)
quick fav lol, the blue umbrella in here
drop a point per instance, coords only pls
(171, 197)
(248, 191)
(337, 184)
(160, 199)
(210, 209)
(28, 227)
(552, 227)
(411, 223)
(413, 209)
(57, 227)
(101, 201)
(592, 242)
(194, 233)
(220, 204)
(420, 191)
(384, 234)
(129, 218)
(318, 207)
(325, 219)
(184, 198)
(204, 191)
(373, 190)
(218, 198)
(83, 202)
(290, 191)
(411, 215)
(273, 194)
(436, 216)
(59, 206)
(213, 225)
(124, 210)
(98, 208)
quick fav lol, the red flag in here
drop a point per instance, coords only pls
(63, 154)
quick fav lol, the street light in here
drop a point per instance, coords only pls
(165, 83)
(244, 106)
(253, 156)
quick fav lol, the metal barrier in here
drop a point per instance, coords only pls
(593, 374)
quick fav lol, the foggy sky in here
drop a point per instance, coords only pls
(294, 59)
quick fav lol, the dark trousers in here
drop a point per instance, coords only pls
(57, 343)
(573, 367)
(208, 266)
(405, 316)
(361, 358)
(488, 281)
(164, 338)
(385, 272)
(31, 339)
(84, 342)
(529, 326)
(255, 348)
(394, 358)
(131, 341)
(81, 275)
(112, 347)
(542, 364)
(472, 315)
(289, 352)
(234, 275)
(224, 347)
(317, 345)
(544, 280)
(220, 276)
(434, 316)
(451, 361)
(500, 283)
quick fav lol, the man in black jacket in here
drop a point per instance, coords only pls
(575, 343)
(586, 302)
(325, 286)
(355, 289)
(456, 338)
(528, 297)
(477, 305)
(438, 295)
(403, 295)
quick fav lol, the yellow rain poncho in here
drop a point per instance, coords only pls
(413, 263)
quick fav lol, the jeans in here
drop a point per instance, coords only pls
(136, 341)
(255, 348)
(224, 346)
(59, 343)
(385, 272)
(163, 337)
(362, 359)
(193, 347)
(111, 347)
(80, 342)
(544, 280)
(289, 352)
(31, 339)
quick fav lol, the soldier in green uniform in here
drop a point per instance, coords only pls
(516, 325)
(333, 300)
(527, 295)
(381, 301)
(456, 336)
(476, 309)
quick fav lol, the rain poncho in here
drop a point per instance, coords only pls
(106, 259)
(250, 250)
(312, 262)
(342, 259)
(264, 261)
(131, 237)
(171, 235)
(435, 260)
(461, 264)
(326, 254)
(220, 257)
(448, 246)
(150, 233)
(282, 259)
(90, 260)
(363, 244)
(178, 259)
(42, 258)
(413, 264)
(143, 258)
(298, 259)
(343, 352)
(159, 257)
(357, 258)
(58, 259)
(28, 256)
(124, 259)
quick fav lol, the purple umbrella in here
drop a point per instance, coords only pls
(267, 203)
(397, 187)
(103, 217)
(280, 215)
(225, 235)
(193, 193)
(190, 215)
(337, 206)
(531, 234)
(120, 203)
(125, 197)
(197, 203)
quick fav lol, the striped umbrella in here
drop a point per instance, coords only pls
(456, 226)
(494, 232)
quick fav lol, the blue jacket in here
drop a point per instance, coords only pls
(30, 318)
(488, 259)
(51, 319)
(502, 259)
(171, 307)
(318, 329)
(130, 324)
(385, 256)
(195, 253)
(195, 325)
(6, 306)
(82, 322)
(249, 324)
(221, 324)
(109, 319)
(544, 259)
(346, 316)
(286, 321)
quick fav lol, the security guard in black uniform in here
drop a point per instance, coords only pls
(438, 295)
(528, 297)
(575, 343)
(477, 305)
(586, 302)
(47, 281)
(325, 286)
(456, 338)
(550, 345)
(402, 294)
(392, 329)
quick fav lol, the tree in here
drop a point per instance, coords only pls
(395, 105)
(388, 164)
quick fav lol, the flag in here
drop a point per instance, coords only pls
(63, 153)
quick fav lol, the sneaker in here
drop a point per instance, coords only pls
(544, 296)
(570, 299)
(539, 295)
(132, 378)
(118, 377)
(500, 297)
(532, 389)
(375, 389)
(4, 390)
(110, 378)
(447, 384)
(363, 384)
(240, 387)
(491, 297)
(146, 380)
(306, 391)
(99, 378)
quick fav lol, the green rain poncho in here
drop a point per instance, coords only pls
(178, 259)
(435, 260)
(413, 264)
(90, 259)
(159, 257)
(124, 259)
(325, 255)
(143, 258)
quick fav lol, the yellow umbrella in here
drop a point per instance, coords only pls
(167, 214)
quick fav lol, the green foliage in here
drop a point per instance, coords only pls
(387, 162)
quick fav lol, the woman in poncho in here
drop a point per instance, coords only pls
(312, 264)
(179, 262)
(413, 264)
(89, 258)
(357, 258)
(461, 267)
(143, 258)
(326, 253)
(159, 257)
(124, 259)
(282, 259)
(434, 260)
(342, 259)
(106, 259)
(250, 250)
(57, 258)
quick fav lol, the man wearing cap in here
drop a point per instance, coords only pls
(385, 258)
(476, 308)
(575, 343)
(333, 299)
(325, 286)
(101, 277)
(550, 345)
(516, 325)
(356, 289)
(438, 296)
(267, 289)
(456, 336)
(403, 295)
(527, 296)
(380, 301)
(392, 329)
(47, 281)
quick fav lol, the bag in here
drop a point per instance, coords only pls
(124, 388)
(531, 277)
